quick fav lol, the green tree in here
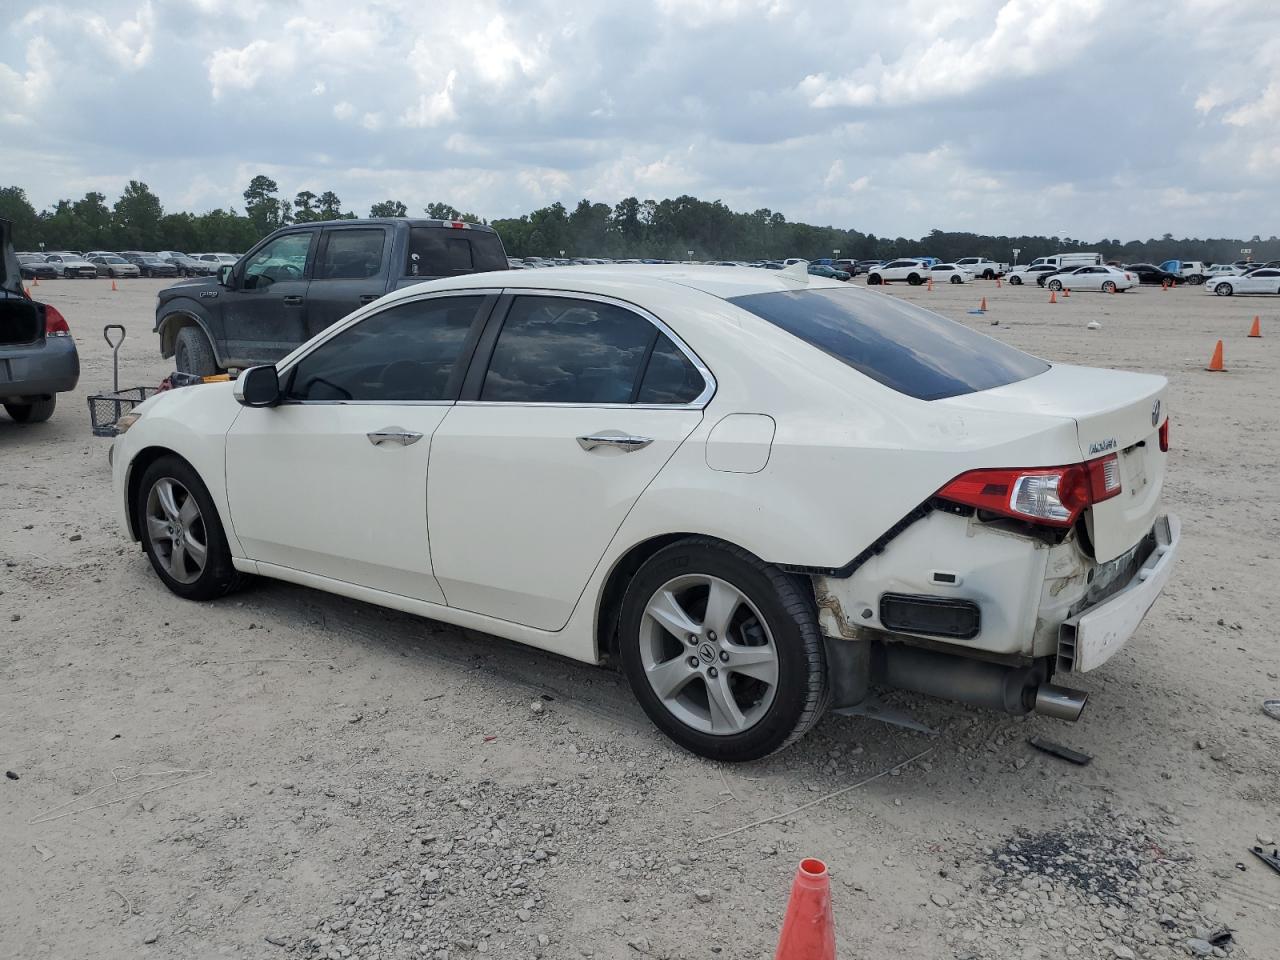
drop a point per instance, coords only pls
(17, 209)
(330, 207)
(442, 211)
(261, 203)
(304, 207)
(93, 222)
(136, 217)
(389, 208)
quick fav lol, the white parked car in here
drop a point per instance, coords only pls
(1221, 270)
(950, 273)
(981, 267)
(1102, 278)
(914, 272)
(1030, 273)
(1262, 280)
(760, 492)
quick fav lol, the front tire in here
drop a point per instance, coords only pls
(915, 279)
(32, 411)
(1016, 281)
(956, 280)
(722, 650)
(1109, 287)
(873, 280)
(192, 353)
(181, 532)
(1055, 285)
(1223, 290)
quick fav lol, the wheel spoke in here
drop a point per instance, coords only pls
(178, 560)
(195, 549)
(190, 510)
(722, 601)
(165, 497)
(158, 530)
(671, 676)
(666, 610)
(760, 663)
(726, 717)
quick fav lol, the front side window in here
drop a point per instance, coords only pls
(907, 348)
(284, 258)
(351, 255)
(407, 352)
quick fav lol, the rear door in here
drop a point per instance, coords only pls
(573, 405)
(264, 309)
(351, 269)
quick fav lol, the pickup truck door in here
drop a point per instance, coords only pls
(352, 267)
(264, 308)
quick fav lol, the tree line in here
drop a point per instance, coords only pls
(673, 229)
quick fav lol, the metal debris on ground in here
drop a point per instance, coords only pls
(1271, 859)
(1058, 750)
(1271, 708)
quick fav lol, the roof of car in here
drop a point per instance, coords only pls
(412, 221)
(628, 281)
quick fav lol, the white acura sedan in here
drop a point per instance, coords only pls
(1262, 280)
(1095, 277)
(762, 493)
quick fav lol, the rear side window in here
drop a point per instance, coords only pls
(449, 252)
(407, 352)
(905, 347)
(670, 376)
(351, 255)
(561, 350)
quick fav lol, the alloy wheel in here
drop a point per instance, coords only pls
(177, 531)
(708, 654)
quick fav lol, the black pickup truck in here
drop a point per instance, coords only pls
(305, 277)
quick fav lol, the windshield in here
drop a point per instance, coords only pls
(115, 259)
(907, 348)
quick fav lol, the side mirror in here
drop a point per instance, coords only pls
(258, 387)
(224, 274)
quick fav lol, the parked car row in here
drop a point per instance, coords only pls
(72, 264)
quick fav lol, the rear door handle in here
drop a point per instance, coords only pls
(393, 435)
(368, 298)
(293, 301)
(623, 441)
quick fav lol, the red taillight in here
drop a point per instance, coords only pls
(55, 325)
(1054, 496)
(1164, 436)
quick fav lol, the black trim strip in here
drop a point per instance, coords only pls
(877, 546)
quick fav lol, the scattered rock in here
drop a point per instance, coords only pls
(151, 938)
(536, 707)
(703, 895)
(939, 900)
(1199, 948)
(74, 537)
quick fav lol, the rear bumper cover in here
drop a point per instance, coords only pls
(1093, 636)
(50, 367)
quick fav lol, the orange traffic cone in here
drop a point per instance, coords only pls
(983, 305)
(808, 931)
(113, 286)
(1066, 292)
(1053, 296)
(997, 283)
(1215, 363)
(931, 284)
(1256, 329)
(35, 281)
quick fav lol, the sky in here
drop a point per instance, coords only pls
(1074, 118)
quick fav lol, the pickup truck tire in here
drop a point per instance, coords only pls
(677, 666)
(192, 353)
(34, 411)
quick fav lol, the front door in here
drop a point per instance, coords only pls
(264, 310)
(333, 481)
(351, 270)
(580, 403)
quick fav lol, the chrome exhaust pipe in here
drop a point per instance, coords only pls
(1061, 703)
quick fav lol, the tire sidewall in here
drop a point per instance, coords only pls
(792, 638)
(219, 575)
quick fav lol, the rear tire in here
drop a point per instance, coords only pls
(957, 280)
(182, 533)
(1055, 285)
(33, 411)
(738, 695)
(192, 353)
(1109, 287)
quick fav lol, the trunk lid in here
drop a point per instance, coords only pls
(10, 270)
(1115, 412)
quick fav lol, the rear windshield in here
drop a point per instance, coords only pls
(449, 252)
(905, 347)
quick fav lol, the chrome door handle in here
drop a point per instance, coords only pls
(625, 442)
(393, 435)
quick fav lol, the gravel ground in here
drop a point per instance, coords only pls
(287, 773)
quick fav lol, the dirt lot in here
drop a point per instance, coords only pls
(329, 779)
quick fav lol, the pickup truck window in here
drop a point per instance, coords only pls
(404, 353)
(436, 252)
(284, 258)
(351, 255)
